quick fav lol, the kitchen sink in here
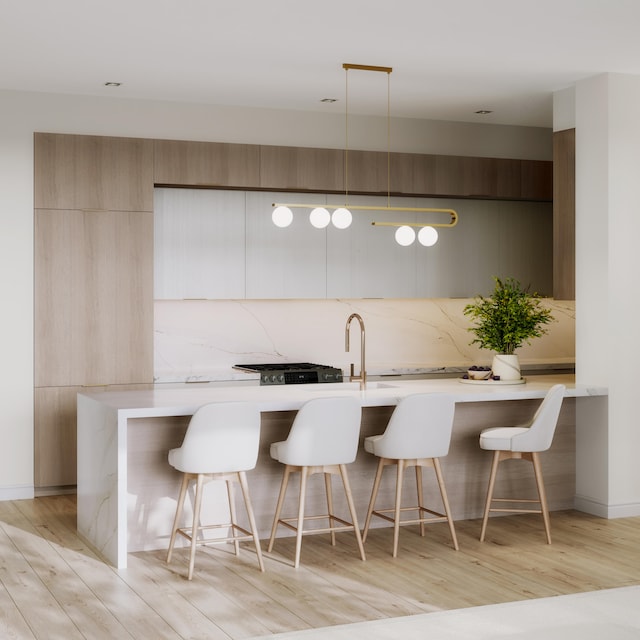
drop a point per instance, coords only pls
(351, 386)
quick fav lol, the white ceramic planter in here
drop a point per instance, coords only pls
(507, 367)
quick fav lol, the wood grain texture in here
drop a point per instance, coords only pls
(93, 297)
(564, 215)
(213, 164)
(54, 585)
(92, 172)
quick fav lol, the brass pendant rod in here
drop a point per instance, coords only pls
(367, 67)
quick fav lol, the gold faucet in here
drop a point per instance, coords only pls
(363, 374)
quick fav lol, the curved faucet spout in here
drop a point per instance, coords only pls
(363, 373)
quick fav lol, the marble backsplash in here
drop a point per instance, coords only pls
(201, 340)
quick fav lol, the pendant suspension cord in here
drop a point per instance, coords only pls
(389, 139)
(346, 137)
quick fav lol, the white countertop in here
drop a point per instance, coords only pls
(184, 399)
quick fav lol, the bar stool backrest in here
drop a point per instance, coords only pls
(325, 431)
(420, 427)
(221, 437)
(542, 427)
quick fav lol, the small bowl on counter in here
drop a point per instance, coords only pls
(478, 373)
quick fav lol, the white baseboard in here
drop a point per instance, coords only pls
(20, 492)
(608, 511)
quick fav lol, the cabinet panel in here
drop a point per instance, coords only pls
(93, 172)
(564, 212)
(413, 173)
(214, 164)
(199, 245)
(93, 297)
(55, 460)
(55, 436)
(537, 180)
(367, 172)
(301, 169)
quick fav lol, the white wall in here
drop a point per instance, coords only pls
(25, 113)
(607, 301)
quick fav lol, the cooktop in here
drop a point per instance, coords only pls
(292, 372)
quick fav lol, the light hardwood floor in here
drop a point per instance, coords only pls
(53, 586)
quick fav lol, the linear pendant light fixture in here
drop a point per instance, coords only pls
(341, 217)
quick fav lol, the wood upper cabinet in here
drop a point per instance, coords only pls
(93, 172)
(301, 169)
(213, 164)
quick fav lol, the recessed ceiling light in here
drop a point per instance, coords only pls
(112, 84)
(329, 100)
(483, 112)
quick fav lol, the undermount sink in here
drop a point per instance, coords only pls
(351, 386)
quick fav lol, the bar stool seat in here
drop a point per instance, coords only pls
(221, 443)
(417, 435)
(523, 443)
(323, 439)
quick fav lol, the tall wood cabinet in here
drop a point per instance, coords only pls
(93, 282)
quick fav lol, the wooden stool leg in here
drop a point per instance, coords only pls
(492, 481)
(445, 501)
(352, 508)
(196, 521)
(304, 472)
(327, 488)
(176, 520)
(374, 495)
(535, 459)
(396, 513)
(281, 495)
(242, 477)
(232, 514)
(420, 492)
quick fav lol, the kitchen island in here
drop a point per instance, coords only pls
(127, 490)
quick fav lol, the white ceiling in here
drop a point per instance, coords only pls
(450, 58)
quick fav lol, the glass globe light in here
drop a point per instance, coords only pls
(282, 216)
(405, 236)
(427, 236)
(341, 218)
(319, 217)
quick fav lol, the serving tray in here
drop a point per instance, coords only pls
(491, 381)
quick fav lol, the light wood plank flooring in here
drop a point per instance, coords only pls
(53, 586)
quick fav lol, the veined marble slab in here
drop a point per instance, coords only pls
(201, 340)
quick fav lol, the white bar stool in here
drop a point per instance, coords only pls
(221, 443)
(323, 439)
(523, 443)
(418, 434)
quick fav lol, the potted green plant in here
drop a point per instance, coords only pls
(505, 321)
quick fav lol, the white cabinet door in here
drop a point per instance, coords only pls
(287, 262)
(199, 244)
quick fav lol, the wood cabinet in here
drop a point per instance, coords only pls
(213, 164)
(93, 283)
(564, 212)
(93, 297)
(92, 172)
(301, 169)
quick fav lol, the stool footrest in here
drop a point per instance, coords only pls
(187, 533)
(435, 515)
(346, 526)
